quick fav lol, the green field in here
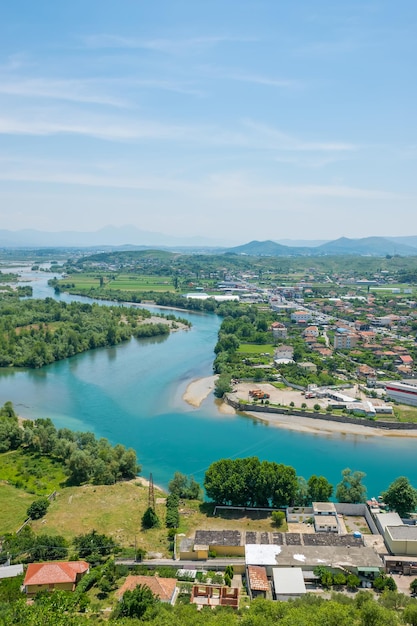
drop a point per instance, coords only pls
(252, 348)
(13, 506)
(30, 472)
(122, 282)
(115, 510)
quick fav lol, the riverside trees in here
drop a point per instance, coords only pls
(250, 482)
(34, 333)
(84, 458)
(401, 496)
(351, 489)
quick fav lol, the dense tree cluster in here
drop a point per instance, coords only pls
(184, 487)
(34, 333)
(172, 518)
(27, 547)
(251, 482)
(94, 546)
(139, 606)
(84, 457)
(10, 433)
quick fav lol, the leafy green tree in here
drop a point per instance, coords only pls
(351, 489)
(80, 466)
(10, 589)
(401, 496)
(135, 603)
(413, 586)
(38, 508)
(222, 385)
(393, 599)
(93, 543)
(352, 582)
(410, 614)
(325, 576)
(150, 519)
(48, 548)
(302, 495)
(319, 489)
(278, 518)
(285, 485)
(339, 579)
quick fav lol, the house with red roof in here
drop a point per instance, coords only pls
(165, 589)
(62, 575)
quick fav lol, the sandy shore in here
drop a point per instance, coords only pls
(284, 396)
(322, 427)
(198, 390)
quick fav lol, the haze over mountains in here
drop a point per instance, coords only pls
(368, 246)
(130, 236)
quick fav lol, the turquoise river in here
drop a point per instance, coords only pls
(132, 394)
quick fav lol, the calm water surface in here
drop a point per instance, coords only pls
(132, 394)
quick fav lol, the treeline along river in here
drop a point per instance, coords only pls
(132, 394)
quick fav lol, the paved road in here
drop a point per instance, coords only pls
(210, 564)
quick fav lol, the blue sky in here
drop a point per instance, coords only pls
(233, 120)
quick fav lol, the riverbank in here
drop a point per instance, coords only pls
(198, 390)
(286, 397)
(321, 427)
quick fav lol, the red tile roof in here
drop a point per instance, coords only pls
(162, 588)
(54, 572)
(258, 580)
(406, 358)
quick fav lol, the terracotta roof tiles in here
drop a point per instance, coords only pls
(163, 588)
(54, 572)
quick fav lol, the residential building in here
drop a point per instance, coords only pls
(258, 583)
(301, 317)
(279, 330)
(344, 340)
(62, 575)
(311, 331)
(283, 354)
(165, 589)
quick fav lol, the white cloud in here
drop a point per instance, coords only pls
(92, 126)
(243, 76)
(284, 141)
(75, 90)
(165, 45)
(238, 186)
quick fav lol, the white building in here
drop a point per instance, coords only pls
(288, 583)
(402, 392)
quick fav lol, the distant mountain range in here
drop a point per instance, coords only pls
(128, 237)
(368, 246)
(107, 236)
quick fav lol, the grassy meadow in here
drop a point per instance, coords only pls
(32, 473)
(257, 349)
(13, 506)
(122, 282)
